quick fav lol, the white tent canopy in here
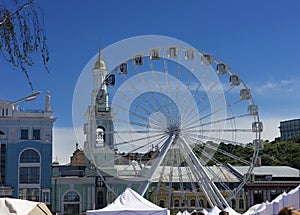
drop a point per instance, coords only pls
(204, 211)
(231, 211)
(185, 213)
(291, 198)
(130, 202)
(22, 207)
(214, 211)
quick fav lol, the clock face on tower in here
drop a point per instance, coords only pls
(101, 96)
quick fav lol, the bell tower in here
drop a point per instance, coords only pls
(99, 127)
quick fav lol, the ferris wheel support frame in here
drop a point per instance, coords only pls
(210, 190)
(144, 186)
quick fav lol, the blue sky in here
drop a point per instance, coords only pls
(258, 39)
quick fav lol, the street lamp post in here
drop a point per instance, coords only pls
(25, 99)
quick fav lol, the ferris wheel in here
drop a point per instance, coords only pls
(178, 114)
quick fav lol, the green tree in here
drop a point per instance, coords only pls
(275, 153)
(282, 153)
(22, 34)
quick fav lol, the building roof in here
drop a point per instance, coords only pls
(290, 120)
(275, 171)
(181, 174)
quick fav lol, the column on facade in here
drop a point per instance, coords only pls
(250, 199)
(265, 198)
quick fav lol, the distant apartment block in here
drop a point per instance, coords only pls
(289, 128)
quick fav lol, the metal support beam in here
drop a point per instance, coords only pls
(144, 186)
(212, 191)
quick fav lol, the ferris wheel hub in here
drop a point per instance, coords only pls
(173, 129)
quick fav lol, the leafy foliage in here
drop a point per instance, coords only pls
(276, 153)
(22, 34)
(282, 153)
(244, 153)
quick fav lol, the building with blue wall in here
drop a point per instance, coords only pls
(26, 151)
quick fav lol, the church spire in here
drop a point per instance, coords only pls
(100, 65)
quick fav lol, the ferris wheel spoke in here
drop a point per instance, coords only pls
(217, 149)
(145, 83)
(208, 105)
(162, 104)
(219, 140)
(219, 179)
(129, 100)
(131, 123)
(216, 176)
(188, 86)
(212, 113)
(166, 146)
(190, 178)
(200, 175)
(160, 139)
(248, 130)
(178, 86)
(218, 121)
(197, 93)
(131, 112)
(139, 139)
(145, 99)
(225, 140)
(161, 177)
(134, 132)
(166, 70)
(168, 90)
(171, 178)
(154, 124)
(180, 175)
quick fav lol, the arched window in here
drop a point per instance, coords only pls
(201, 203)
(71, 197)
(176, 203)
(71, 203)
(100, 136)
(29, 172)
(162, 203)
(100, 199)
(241, 203)
(193, 203)
(29, 175)
(233, 203)
(29, 156)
